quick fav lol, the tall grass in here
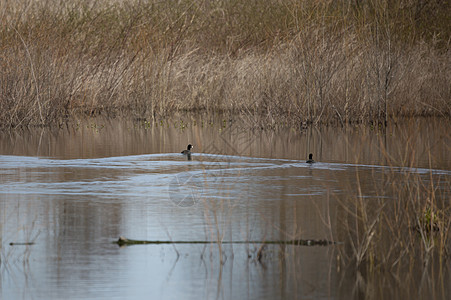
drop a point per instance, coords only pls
(387, 231)
(403, 232)
(291, 61)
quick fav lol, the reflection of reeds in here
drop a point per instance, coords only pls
(290, 61)
(19, 240)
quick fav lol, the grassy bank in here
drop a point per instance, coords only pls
(278, 61)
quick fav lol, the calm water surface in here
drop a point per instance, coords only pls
(73, 191)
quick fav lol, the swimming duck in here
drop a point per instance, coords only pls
(310, 159)
(188, 149)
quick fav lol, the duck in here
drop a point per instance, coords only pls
(188, 150)
(310, 159)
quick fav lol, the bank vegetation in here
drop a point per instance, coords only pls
(278, 61)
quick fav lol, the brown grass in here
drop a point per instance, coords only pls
(386, 232)
(403, 233)
(278, 61)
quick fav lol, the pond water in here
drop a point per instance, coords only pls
(73, 191)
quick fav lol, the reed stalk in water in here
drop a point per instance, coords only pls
(403, 230)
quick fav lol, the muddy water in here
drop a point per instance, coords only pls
(73, 191)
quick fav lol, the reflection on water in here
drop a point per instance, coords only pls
(74, 191)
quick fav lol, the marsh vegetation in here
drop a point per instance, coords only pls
(380, 194)
(296, 62)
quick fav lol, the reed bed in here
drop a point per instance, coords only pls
(384, 232)
(400, 237)
(296, 62)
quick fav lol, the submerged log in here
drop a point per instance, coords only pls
(122, 241)
(21, 244)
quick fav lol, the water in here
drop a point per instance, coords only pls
(74, 191)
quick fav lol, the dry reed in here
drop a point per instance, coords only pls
(402, 232)
(280, 61)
